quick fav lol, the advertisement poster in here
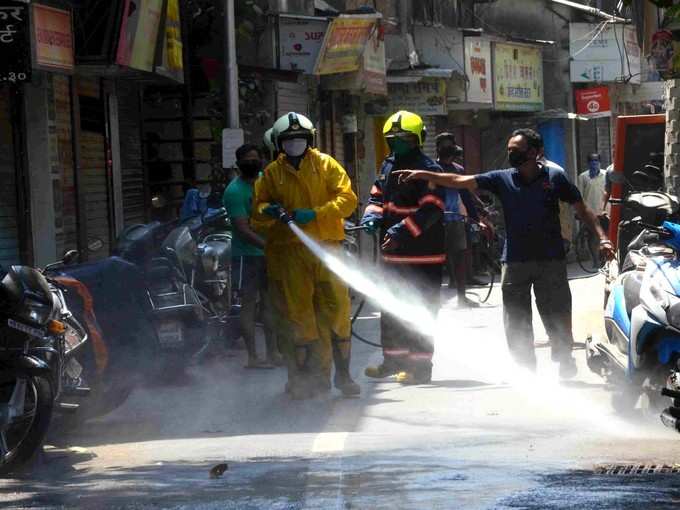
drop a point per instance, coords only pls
(427, 97)
(53, 38)
(300, 42)
(374, 72)
(15, 45)
(593, 102)
(344, 44)
(171, 53)
(139, 34)
(518, 78)
(607, 54)
(478, 70)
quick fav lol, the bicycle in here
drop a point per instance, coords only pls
(587, 253)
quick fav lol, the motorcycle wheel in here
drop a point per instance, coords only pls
(21, 439)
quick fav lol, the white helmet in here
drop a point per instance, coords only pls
(293, 125)
(268, 140)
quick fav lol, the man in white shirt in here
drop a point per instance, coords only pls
(591, 183)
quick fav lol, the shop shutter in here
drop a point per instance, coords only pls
(291, 97)
(9, 231)
(93, 164)
(132, 168)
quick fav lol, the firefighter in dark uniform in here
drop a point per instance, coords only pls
(409, 217)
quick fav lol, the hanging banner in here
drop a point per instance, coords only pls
(52, 38)
(15, 44)
(478, 70)
(426, 97)
(593, 102)
(344, 43)
(300, 41)
(518, 78)
(374, 69)
(139, 34)
(171, 54)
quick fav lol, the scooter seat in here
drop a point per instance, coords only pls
(632, 282)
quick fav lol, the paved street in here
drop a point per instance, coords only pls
(482, 435)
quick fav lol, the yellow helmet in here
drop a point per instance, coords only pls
(405, 123)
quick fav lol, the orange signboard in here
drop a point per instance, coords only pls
(344, 44)
(53, 38)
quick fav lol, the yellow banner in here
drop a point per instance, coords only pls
(344, 45)
(518, 78)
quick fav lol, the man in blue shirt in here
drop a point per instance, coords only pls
(533, 255)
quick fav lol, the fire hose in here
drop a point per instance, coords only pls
(286, 218)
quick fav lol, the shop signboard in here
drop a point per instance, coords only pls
(52, 38)
(478, 70)
(300, 40)
(138, 36)
(427, 97)
(344, 43)
(15, 45)
(593, 102)
(171, 56)
(603, 53)
(518, 78)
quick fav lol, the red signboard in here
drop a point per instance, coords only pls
(593, 102)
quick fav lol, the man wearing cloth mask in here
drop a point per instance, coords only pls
(409, 216)
(315, 305)
(248, 268)
(591, 184)
(533, 255)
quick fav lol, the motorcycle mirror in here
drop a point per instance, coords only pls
(70, 257)
(95, 245)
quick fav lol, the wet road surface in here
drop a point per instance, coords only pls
(481, 435)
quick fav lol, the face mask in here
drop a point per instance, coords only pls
(517, 158)
(399, 147)
(250, 167)
(446, 152)
(294, 147)
(594, 168)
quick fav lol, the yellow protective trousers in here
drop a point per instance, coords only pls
(312, 302)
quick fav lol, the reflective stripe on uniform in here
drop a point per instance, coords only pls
(433, 199)
(415, 259)
(396, 352)
(403, 211)
(412, 227)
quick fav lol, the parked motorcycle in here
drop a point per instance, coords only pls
(642, 320)
(39, 340)
(187, 278)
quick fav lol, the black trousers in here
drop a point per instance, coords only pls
(405, 349)
(553, 300)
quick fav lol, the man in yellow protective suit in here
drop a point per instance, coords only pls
(313, 303)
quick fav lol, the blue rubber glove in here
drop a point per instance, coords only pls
(273, 210)
(303, 216)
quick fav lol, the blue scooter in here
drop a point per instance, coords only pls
(641, 351)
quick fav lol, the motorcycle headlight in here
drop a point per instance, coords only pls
(35, 311)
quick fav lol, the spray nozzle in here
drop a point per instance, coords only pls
(284, 217)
